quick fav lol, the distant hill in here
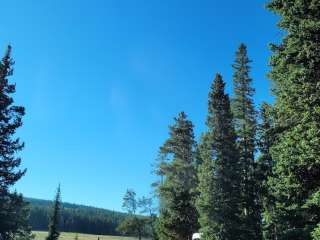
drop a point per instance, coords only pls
(75, 218)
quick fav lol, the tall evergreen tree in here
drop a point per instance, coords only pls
(246, 125)
(178, 215)
(295, 73)
(219, 174)
(13, 210)
(54, 232)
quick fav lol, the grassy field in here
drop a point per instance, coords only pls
(71, 236)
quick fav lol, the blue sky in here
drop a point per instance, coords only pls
(101, 81)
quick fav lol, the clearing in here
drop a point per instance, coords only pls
(81, 236)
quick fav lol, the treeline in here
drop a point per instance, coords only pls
(75, 218)
(255, 172)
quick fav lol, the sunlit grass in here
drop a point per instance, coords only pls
(71, 236)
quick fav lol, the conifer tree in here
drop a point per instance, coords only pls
(54, 232)
(245, 123)
(219, 174)
(133, 224)
(130, 202)
(178, 215)
(13, 209)
(295, 63)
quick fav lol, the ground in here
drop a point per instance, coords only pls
(71, 236)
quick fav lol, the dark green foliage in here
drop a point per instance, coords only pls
(75, 218)
(316, 233)
(177, 191)
(14, 222)
(219, 174)
(55, 217)
(180, 211)
(153, 223)
(246, 126)
(133, 226)
(265, 164)
(295, 183)
(146, 207)
(13, 210)
(10, 119)
(266, 139)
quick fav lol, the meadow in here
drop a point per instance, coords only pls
(39, 235)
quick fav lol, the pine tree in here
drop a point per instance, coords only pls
(177, 192)
(13, 210)
(133, 224)
(219, 174)
(245, 123)
(295, 74)
(130, 202)
(54, 232)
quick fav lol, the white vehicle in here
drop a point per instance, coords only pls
(196, 236)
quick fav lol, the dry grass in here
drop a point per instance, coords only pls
(71, 236)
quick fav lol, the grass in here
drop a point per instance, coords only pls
(81, 236)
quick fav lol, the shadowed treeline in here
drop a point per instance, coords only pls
(75, 218)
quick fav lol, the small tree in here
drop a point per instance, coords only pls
(133, 224)
(147, 207)
(130, 202)
(55, 217)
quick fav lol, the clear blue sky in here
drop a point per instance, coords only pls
(101, 81)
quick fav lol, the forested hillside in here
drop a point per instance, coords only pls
(75, 218)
